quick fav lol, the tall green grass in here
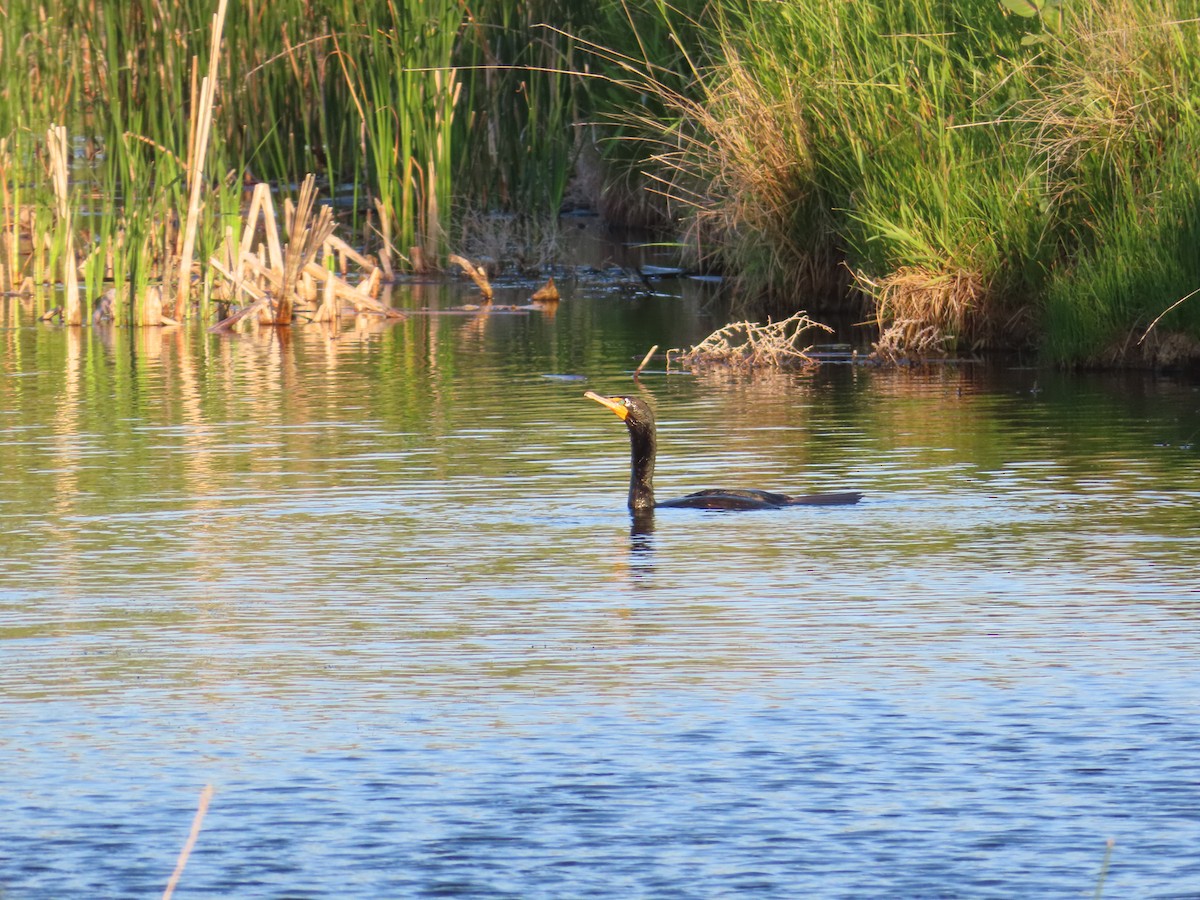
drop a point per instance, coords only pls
(409, 89)
(967, 170)
(982, 174)
(421, 109)
(1121, 124)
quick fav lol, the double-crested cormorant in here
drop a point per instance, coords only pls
(639, 419)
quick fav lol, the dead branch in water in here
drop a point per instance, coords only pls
(749, 345)
(478, 275)
(645, 359)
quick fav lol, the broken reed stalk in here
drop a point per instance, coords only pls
(328, 310)
(271, 275)
(477, 275)
(645, 359)
(547, 293)
(56, 143)
(385, 237)
(306, 239)
(201, 126)
(193, 835)
(8, 223)
(262, 204)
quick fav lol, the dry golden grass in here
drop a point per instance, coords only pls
(922, 313)
(276, 281)
(749, 345)
(1105, 96)
(736, 175)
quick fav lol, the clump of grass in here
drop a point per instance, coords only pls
(922, 314)
(747, 346)
(1120, 125)
(971, 169)
(822, 146)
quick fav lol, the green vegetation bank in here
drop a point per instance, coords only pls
(970, 173)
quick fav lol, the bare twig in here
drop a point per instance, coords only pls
(645, 359)
(1162, 314)
(205, 797)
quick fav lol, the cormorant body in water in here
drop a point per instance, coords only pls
(639, 419)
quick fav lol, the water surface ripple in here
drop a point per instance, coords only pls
(383, 594)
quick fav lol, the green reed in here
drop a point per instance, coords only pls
(420, 114)
(405, 83)
(519, 107)
(993, 175)
(1030, 164)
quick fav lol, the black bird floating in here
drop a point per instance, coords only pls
(639, 419)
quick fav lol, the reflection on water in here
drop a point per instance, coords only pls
(379, 587)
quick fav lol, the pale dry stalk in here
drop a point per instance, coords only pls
(201, 126)
(193, 835)
(308, 235)
(56, 143)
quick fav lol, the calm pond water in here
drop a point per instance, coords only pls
(383, 594)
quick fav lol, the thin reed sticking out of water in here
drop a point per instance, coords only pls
(201, 809)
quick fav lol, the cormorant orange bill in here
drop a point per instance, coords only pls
(639, 419)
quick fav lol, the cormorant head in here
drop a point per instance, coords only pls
(633, 411)
(639, 419)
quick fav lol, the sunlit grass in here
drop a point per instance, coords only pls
(982, 176)
(859, 158)
(396, 106)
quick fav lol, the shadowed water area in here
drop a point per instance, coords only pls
(382, 592)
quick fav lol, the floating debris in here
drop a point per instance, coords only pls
(547, 293)
(749, 345)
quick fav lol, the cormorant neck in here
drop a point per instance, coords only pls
(641, 478)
